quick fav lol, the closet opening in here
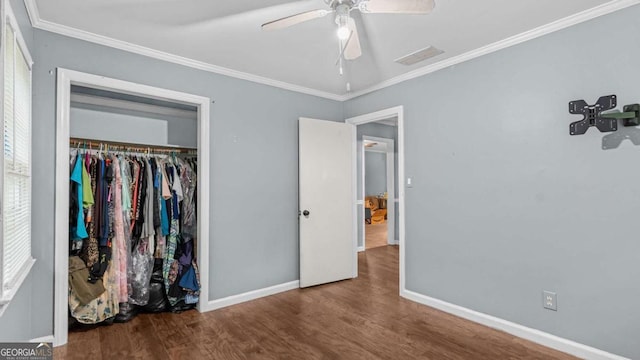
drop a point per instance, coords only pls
(132, 201)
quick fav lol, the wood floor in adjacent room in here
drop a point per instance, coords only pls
(362, 318)
(375, 235)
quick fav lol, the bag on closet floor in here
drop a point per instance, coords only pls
(127, 312)
(84, 290)
(158, 301)
(181, 306)
(142, 265)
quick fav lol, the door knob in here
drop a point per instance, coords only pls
(306, 213)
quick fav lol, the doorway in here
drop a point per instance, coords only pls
(394, 119)
(377, 176)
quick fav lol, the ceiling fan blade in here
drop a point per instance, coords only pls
(397, 6)
(352, 50)
(294, 19)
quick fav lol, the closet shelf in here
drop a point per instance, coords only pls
(134, 147)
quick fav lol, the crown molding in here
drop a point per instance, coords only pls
(557, 25)
(32, 11)
(38, 23)
(604, 9)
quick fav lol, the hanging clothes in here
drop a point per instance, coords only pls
(128, 210)
(188, 180)
(120, 257)
(78, 230)
(96, 252)
(148, 229)
(90, 247)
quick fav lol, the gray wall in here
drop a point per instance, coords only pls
(90, 122)
(15, 323)
(382, 131)
(120, 117)
(506, 204)
(375, 173)
(253, 159)
(503, 203)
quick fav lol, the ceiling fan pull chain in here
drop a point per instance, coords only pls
(343, 48)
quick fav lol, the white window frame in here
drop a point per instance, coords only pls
(8, 18)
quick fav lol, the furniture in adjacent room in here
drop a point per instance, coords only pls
(377, 209)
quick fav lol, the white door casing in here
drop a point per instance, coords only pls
(397, 112)
(66, 78)
(327, 247)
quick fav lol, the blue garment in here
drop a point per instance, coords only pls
(191, 299)
(156, 180)
(104, 182)
(164, 217)
(187, 251)
(174, 201)
(76, 176)
(188, 280)
(174, 198)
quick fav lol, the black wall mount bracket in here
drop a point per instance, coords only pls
(593, 115)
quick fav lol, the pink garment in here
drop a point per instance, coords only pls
(166, 192)
(87, 160)
(119, 246)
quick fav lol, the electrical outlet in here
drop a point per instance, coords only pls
(550, 300)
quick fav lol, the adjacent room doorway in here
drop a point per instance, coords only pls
(377, 177)
(392, 120)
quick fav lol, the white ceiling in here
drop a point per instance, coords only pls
(228, 34)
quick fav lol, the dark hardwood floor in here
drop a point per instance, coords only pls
(362, 318)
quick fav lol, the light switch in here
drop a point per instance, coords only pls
(409, 182)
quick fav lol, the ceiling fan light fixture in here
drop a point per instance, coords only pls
(343, 32)
(342, 20)
(347, 30)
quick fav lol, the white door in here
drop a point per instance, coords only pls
(327, 239)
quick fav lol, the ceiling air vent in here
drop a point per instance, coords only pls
(420, 55)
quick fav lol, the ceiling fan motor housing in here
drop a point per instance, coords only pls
(335, 3)
(342, 14)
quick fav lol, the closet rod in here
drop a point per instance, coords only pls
(136, 147)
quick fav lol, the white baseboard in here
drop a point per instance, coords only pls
(360, 248)
(536, 336)
(44, 339)
(251, 295)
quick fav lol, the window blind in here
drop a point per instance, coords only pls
(16, 225)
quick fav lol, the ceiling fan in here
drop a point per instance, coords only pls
(347, 31)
